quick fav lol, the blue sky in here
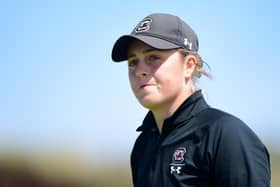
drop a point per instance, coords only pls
(60, 89)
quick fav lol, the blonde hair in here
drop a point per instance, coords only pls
(199, 68)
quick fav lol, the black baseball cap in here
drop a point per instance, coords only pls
(160, 31)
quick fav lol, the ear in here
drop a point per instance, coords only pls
(190, 64)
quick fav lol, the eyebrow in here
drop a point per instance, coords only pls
(144, 52)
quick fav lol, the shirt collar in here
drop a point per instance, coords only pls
(188, 109)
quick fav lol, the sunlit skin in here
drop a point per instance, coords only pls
(160, 79)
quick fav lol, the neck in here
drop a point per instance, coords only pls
(166, 110)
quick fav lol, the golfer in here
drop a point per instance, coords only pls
(183, 141)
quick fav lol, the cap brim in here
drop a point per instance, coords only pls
(119, 52)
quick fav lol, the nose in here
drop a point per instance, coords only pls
(141, 70)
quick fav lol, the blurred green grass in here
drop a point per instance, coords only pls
(275, 168)
(73, 170)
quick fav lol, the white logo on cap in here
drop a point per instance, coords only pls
(187, 43)
(144, 25)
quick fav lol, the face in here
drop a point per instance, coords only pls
(158, 78)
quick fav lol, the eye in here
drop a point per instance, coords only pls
(132, 62)
(153, 59)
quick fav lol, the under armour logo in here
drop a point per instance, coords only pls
(176, 169)
(187, 43)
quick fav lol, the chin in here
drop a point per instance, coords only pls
(149, 104)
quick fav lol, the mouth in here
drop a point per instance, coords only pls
(145, 85)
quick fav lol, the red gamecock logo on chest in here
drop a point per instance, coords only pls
(179, 154)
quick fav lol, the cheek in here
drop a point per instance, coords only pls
(132, 82)
(171, 84)
(174, 76)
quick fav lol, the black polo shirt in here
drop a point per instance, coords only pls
(199, 147)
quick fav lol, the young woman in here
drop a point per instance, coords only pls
(183, 141)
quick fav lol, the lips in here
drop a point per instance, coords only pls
(146, 85)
